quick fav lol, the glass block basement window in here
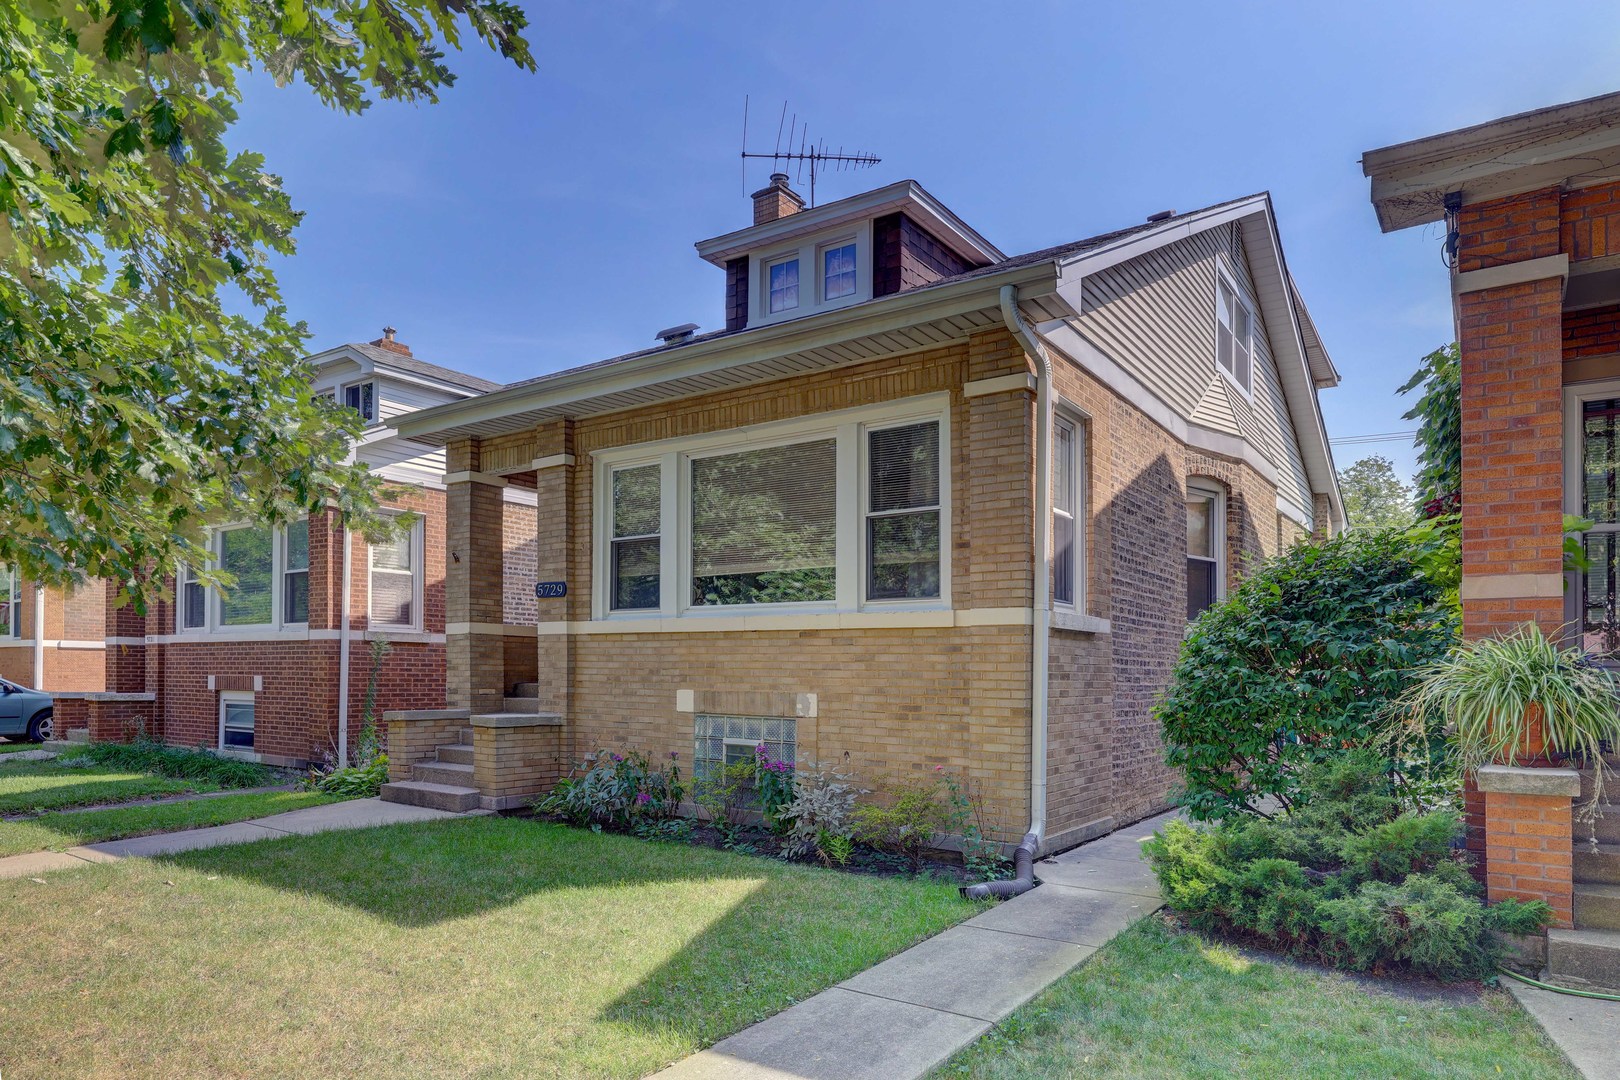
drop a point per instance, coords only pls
(724, 740)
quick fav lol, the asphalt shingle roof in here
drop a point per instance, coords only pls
(399, 360)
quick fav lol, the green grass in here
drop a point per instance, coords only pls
(1154, 1003)
(13, 747)
(27, 786)
(475, 947)
(61, 830)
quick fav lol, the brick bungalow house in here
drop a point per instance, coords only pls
(52, 638)
(277, 668)
(918, 502)
(1526, 204)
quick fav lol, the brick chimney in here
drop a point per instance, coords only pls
(387, 342)
(776, 200)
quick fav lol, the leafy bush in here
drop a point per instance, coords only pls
(726, 797)
(1297, 663)
(1350, 876)
(357, 781)
(823, 800)
(616, 791)
(150, 756)
(773, 784)
(909, 819)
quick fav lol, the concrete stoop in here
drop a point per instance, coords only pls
(445, 783)
(1589, 955)
(1584, 958)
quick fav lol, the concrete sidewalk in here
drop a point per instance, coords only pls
(354, 814)
(1583, 1028)
(913, 1011)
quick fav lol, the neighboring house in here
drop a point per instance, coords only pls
(52, 638)
(918, 503)
(1529, 209)
(266, 669)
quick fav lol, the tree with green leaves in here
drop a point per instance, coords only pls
(1438, 412)
(1374, 497)
(151, 383)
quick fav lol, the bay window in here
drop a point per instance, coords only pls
(271, 570)
(835, 512)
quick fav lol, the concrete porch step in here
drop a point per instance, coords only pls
(1597, 906)
(459, 754)
(1607, 825)
(526, 689)
(521, 704)
(435, 796)
(519, 719)
(466, 736)
(1592, 956)
(1602, 865)
(443, 772)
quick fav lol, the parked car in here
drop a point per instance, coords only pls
(24, 713)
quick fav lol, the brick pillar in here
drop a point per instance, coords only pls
(1511, 338)
(1528, 843)
(1474, 826)
(126, 645)
(475, 676)
(555, 477)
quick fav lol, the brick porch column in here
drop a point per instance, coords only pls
(475, 675)
(1528, 849)
(126, 646)
(555, 479)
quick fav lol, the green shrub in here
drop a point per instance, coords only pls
(150, 756)
(616, 791)
(1350, 876)
(357, 781)
(823, 800)
(909, 818)
(1297, 664)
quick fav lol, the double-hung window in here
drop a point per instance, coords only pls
(295, 573)
(248, 554)
(396, 579)
(11, 603)
(634, 558)
(1234, 335)
(1596, 491)
(1206, 541)
(825, 513)
(783, 284)
(902, 512)
(191, 601)
(362, 398)
(838, 271)
(1067, 501)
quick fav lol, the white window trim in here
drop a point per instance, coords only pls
(1224, 275)
(418, 577)
(12, 630)
(283, 569)
(1201, 486)
(214, 625)
(237, 697)
(342, 392)
(1077, 476)
(1576, 395)
(848, 427)
(808, 250)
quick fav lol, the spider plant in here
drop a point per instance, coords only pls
(1515, 698)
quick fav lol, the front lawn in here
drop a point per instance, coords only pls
(13, 747)
(59, 830)
(473, 947)
(28, 786)
(1156, 1003)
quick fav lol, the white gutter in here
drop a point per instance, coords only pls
(39, 637)
(1042, 616)
(343, 656)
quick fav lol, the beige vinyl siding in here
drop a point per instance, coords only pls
(1155, 316)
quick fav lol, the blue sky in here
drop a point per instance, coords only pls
(531, 222)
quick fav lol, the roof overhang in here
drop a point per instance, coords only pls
(916, 319)
(1577, 143)
(1301, 361)
(906, 195)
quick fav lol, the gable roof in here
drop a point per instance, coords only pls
(398, 361)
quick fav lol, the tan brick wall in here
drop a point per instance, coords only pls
(512, 763)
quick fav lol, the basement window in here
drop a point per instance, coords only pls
(235, 721)
(721, 741)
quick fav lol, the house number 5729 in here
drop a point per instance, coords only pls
(550, 590)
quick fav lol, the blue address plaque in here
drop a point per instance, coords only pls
(550, 590)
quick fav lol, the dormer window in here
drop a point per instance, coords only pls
(362, 398)
(784, 285)
(838, 271)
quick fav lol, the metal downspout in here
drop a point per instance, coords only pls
(1041, 614)
(39, 636)
(343, 655)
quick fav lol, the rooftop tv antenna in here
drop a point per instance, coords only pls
(816, 156)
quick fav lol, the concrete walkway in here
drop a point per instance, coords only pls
(1583, 1028)
(913, 1011)
(354, 814)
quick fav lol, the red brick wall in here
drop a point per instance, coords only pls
(1528, 838)
(1508, 230)
(1590, 218)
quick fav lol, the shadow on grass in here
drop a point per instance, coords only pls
(31, 786)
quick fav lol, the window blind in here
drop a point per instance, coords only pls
(763, 525)
(246, 553)
(902, 524)
(393, 580)
(295, 578)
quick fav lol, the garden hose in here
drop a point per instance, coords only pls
(1558, 989)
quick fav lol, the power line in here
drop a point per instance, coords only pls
(1377, 437)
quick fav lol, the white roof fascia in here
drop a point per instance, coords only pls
(888, 313)
(905, 195)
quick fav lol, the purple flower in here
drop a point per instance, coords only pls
(674, 755)
(616, 757)
(644, 798)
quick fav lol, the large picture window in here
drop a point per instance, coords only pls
(825, 513)
(248, 554)
(763, 524)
